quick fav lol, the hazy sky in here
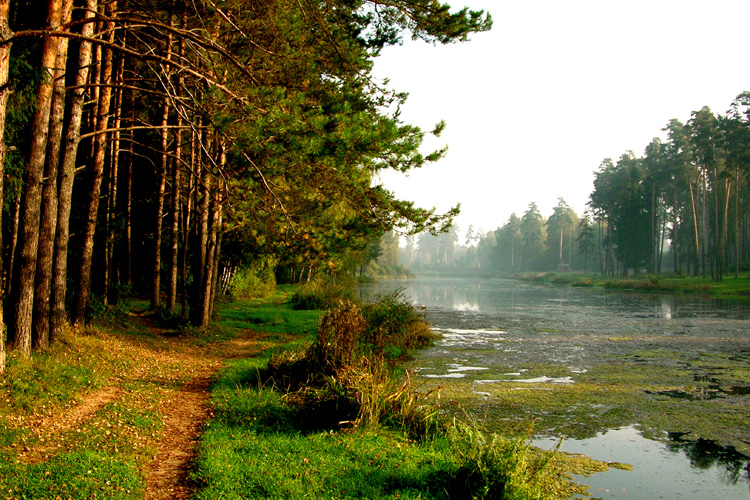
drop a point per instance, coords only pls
(536, 104)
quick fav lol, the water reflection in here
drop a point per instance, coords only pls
(704, 454)
(678, 470)
(576, 309)
(509, 326)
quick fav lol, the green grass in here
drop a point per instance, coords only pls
(729, 287)
(269, 317)
(80, 474)
(259, 447)
(261, 443)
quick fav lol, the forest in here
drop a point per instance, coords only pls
(681, 207)
(156, 146)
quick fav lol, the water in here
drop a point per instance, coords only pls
(494, 330)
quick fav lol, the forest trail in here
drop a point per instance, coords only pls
(185, 413)
(174, 375)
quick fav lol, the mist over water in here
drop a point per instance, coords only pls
(486, 323)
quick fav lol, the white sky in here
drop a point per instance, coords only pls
(536, 104)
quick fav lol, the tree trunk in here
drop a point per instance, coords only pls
(19, 330)
(5, 34)
(195, 141)
(161, 185)
(203, 232)
(13, 244)
(174, 233)
(84, 279)
(114, 168)
(159, 210)
(212, 258)
(67, 176)
(41, 337)
(737, 223)
(696, 232)
(129, 209)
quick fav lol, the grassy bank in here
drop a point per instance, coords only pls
(94, 417)
(728, 288)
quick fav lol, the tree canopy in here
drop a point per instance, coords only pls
(153, 144)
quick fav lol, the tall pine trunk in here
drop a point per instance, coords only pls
(159, 209)
(195, 141)
(22, 289)
(174, 232)
(67, 175)
(97, 174)
(5, 34)
(114, 167)
(41, 319)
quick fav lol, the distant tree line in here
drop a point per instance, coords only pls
(683, 206)
(154, 146)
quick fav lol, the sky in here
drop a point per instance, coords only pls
(536, 104)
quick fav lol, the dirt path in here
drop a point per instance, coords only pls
(179, 375)
(47, 426)
(184, 413)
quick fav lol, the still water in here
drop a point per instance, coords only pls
(494, 322)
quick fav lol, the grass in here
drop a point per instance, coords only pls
(261, 442)
(103, 456)
(728, 288)
(257, 446)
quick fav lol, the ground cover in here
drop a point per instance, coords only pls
(112, 411)
(730, 287)
(135, 408)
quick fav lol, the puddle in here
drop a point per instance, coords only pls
(535, 380)
(682, 469)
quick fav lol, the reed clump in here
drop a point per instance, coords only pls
(345, 378)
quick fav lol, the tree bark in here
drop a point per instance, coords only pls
(19, 330)
(195, 141)
(5, 34)
(67, 176)
(174, 234)
(41, 337)
(114, 167)
(159, 209)
(105, 96)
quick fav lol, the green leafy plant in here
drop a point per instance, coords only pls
(320, 293)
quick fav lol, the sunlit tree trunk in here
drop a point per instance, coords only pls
(114, 169)
(195, 141)
(22, 289)
(5, 34)
(67, 175)
(12, 244)
(174, 231)
(97, 174)
(48, 226)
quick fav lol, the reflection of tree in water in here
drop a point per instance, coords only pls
(705, 454)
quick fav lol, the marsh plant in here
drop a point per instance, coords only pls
(321, 293)
(345, 374)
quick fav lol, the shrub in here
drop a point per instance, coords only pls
(338, 335)
(394, 327)
(343, 379)
(320, 293)
(254, 281)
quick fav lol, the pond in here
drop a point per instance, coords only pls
(661, 382)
